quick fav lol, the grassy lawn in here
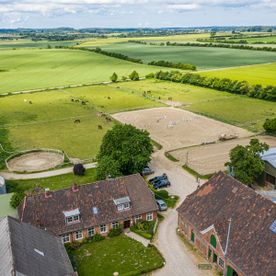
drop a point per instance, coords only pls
(5, 208)
(49, 121)
(202, 57)
(119, 254)
(25, 69)
(223, 106)
(256, 74)
(53, 183)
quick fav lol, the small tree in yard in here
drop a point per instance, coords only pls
(114, 77)
(246, 162)
(134, 76)
(16, 199)
(124, 150)
(270, 126)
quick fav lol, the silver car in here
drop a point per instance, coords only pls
(161, 205)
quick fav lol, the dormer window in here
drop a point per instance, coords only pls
(72, 216)
(122, 203)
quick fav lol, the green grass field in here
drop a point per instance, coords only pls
(119, 254)
(53, 183)
(5, 207)
(28, 43)
(264, 74)
(173, 38)
(265, 39)
(26, 69)
(238, 110)
(49, 121)
(202, 57)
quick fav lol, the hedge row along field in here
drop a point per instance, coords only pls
(232, 86)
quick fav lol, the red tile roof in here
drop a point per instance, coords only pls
(251, 244)
(47, 212)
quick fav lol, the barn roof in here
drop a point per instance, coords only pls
(270, 156)
(27, 250)
(251, 243)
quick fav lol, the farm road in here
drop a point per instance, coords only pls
(179, 261)
(19, 176)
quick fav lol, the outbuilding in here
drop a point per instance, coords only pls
(269, 157)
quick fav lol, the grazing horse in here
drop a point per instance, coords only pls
(77, 121)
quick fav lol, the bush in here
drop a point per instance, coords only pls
(134, 76)
(270, 126)
(79, 169)
(97, 237)
(150, 76)
(115, 232)
(143, 228)
(16, 199)
(182, 66)
(114, 77)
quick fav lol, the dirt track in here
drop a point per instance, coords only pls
(175, 128)
(208, 159)
(35, 161)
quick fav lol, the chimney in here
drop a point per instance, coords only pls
(75, 188)
(47, 193)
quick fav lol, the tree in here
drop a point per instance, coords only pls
(114, 77)
(245, 161)
(79, 169)
(270, 126)
(16, 199)
(134, 76)
(124, 150)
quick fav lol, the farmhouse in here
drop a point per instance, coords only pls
(83, 211)
(232, 225)
(27, 250)
(270, 167)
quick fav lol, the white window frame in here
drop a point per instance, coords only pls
(103, 228)
(66, 238)
(138, 217)
(149, 217)
(73, 219)
(91, 232)
(221, 262)
(77, 233)
(115, 225)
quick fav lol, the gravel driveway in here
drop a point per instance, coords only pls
(178, 260)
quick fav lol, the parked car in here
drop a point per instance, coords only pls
(161, 205)
(147, 171)
(158, 178)
(161, 184)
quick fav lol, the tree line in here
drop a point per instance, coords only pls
(216, 45)
(179, 65)
(227, 85)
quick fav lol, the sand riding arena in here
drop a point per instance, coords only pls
(176, 128)
(34, 161)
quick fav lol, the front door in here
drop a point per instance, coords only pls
(126, 224)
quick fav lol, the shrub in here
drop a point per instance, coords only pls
(150, 76)
(97, 237)
(115, 232)
(270, 126)
(134, 76)
(16, 199)
(114, 77)
(79, 169)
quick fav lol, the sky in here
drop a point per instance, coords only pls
(135, 13)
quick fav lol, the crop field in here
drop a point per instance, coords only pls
(223, 106)
(264, 39)
(202, 57)
(26, 69)
(69, 120)
(172, 38)
(27, 43)
(264, 74)
(175, 128)
(207, 159)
